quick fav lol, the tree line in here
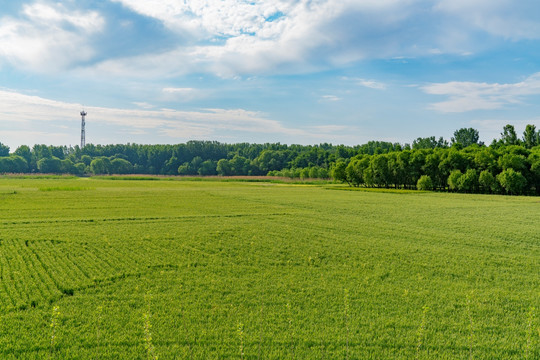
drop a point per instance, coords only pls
(509, 165)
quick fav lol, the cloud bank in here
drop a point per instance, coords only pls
(469, 96)
(48, 37)
(237, 37)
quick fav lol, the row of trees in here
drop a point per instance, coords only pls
(357, 165)
(511, 169)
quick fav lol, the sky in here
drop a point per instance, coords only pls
(288, 71)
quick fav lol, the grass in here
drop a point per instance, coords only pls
(259, 271)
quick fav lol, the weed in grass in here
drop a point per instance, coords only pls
(150, 350)
(346, 322)
(528, 344)
(240, 333)
(290, 328)
(470, 335)
(54, 325)
(261, 324)
(420, 334)
(99, 318)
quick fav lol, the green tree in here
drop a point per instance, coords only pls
(224, 168)
(513, 182)
(314, 172)
(13, 164)
(67, 167)
(184, 169)
(240, 165)
(100, 166)
(4, 150)
(431, 168)
(534, 160)
(509, 135)
(424, 183)
(468, 182)
(207, 168)
(20, 165)
(487, 182)
(323, 173)
(379, 166)
(516, 162)
(454, 179)
(50, 165)
(171, 166)
(121, 166)
(486, 159)
(86, 160)
(25, 152)
(429, 143)
(530, 137)
(466, 136)
(81, 168)
(339, 172)
(355, 170)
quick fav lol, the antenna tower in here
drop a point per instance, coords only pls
(83, 134)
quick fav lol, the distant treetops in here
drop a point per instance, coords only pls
(509, 165)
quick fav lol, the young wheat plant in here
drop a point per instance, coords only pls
(346, 321)
(54, 324)
(240, 332)
(291, 332)
(529, 333)
(421, 332)
(150, 350)
(98, 328)
(471, 326)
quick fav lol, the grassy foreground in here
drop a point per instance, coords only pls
(103, 269)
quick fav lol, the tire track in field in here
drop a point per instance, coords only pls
(135, 218)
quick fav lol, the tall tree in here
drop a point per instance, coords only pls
(509, 135)
(530, 136)
(429, 143)
(466, 136)
(4, 150)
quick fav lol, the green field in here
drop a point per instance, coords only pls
(135, 269)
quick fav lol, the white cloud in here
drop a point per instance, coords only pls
(170, 90)
(232, 37)
(143, 105)
(468, 96)
(181, 94)
(48, 37)
(505, 18)
(372, 84)
(329, 98)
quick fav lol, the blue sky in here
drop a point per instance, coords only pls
(295, 71)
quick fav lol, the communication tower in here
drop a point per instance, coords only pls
(83, 134)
